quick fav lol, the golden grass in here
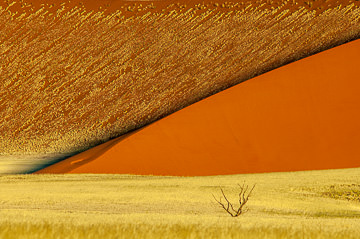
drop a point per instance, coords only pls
(283, 205)
(72, 78)
(344, 191)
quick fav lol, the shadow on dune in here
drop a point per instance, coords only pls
(302, 116)
(74, 161)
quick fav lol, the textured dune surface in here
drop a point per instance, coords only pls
(302, 116)
(76, 74)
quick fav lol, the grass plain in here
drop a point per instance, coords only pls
(302, 204)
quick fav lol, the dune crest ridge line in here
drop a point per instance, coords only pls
(75, 74)
(302, 116)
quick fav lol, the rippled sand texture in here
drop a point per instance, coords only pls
(302, 116)
(75, 75)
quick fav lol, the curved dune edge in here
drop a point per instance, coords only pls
(303, 116)
(60, 60)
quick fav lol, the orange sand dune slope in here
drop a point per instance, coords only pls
(302, 116)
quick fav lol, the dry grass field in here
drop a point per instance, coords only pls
(316, 204)
(73, 77)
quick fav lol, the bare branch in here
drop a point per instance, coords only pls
(222, 205)
(228, 202)
(243, 198)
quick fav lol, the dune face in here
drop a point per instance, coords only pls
(75, 74)
(302, 116)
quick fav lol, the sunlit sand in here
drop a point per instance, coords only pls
(301, 116)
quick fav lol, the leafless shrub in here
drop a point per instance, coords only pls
(243, 198)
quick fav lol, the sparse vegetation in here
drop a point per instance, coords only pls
(243, 198)
(125, 206)
(349, 192)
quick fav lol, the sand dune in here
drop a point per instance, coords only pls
(75, 73)
(302, 116)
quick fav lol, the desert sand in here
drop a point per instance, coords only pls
(75, 74)
(302, 116)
